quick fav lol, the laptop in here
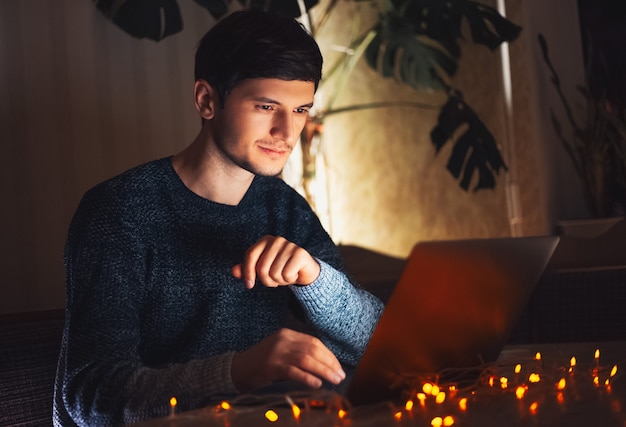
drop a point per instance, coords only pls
(453, 308)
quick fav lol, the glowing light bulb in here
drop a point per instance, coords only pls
(408, 405)
(295, 410)
(435, 390)
(225, 405)
(398, 416)
(271, 416)
(533, 407)
(572, 361)
(520, 391)
(561, 384)
(436, 422)
(518, 368)
(441, 397)
(534, 378)
(504, 382)
(173, 403)
(613, 371)
(427, 388)
(463, 404)
(422, 398)
(448, 421)
(538, 356)
(341, 414)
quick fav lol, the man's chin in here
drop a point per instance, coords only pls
(265, 172)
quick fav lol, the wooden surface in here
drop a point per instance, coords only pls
(580, 403)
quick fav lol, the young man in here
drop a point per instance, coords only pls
(203, 274)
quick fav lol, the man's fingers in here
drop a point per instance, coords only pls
(275, 261)
(286, 355)
(251, 259)
(310, 355)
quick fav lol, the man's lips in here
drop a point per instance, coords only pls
(274, 151)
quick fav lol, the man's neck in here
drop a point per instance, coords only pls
(204, 174)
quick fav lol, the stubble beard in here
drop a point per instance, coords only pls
(249, 166)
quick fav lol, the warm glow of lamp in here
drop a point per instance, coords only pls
(561, 384)
(538, 356)
(427, 388)
(225, 405)
(398, 416)
(271, 416)
(572, 361)
(441, 397)
(518, 368)
(533, 407)
(408, 405)
(534, 378)
(341, 414)
(613, 371)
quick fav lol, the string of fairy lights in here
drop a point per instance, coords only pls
(525, 389)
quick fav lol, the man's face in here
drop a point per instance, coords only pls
(261, 122)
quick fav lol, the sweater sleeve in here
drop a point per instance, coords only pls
(344, 315)
(101, 377)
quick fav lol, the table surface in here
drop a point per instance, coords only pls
(579, 401)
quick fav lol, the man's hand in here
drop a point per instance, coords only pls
(275, 261)
(286, 355)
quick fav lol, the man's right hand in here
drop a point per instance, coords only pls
(286, 355)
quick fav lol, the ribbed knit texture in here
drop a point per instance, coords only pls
(153, 310)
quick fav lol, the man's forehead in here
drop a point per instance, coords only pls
(277, 90)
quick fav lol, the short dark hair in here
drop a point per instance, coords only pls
(250, 44)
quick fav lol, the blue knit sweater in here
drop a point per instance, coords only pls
(153, 310)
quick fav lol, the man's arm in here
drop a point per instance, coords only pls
(102, 379)
(344, 315)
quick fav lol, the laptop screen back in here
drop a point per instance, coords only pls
(454, 306)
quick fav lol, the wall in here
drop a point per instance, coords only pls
(81, 101)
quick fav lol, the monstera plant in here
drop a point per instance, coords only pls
(415, 41)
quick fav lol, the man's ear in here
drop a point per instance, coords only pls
(206, 99)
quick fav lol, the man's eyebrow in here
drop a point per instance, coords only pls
(266, 100)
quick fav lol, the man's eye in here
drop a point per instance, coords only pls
(266, 107)
(302, 110)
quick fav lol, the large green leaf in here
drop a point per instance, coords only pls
(219, 8)
(474, 151)
(442, 20)
(397, 52)
(153, 19)
(401, 49)
(157, 19)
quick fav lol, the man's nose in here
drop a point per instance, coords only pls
(284, 127)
